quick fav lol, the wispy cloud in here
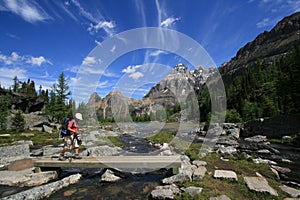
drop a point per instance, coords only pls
(83, 11)
(107, 26)
(11, 72)
(273, 8)
(15, 59)
(264, 23)
(279, 5)
(97, 23)
(29, 11)
(13, 36)
(169, 22)
(140, 8)
(7, 75)
(94, 70)
(157, 53)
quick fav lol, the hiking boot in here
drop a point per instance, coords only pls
(61, 158)
(77, 156)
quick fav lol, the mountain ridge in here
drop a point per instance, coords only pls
(267, 48)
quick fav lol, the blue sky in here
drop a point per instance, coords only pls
(40, 39)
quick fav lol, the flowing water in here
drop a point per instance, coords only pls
(132, 186)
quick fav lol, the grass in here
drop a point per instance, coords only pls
(38, 138)
(109, 140)
(233, 189)
(163, 136)
(215, 187)
(116, 141)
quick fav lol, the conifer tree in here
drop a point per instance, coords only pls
(18, 121)
(4, 110)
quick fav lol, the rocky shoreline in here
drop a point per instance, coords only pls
(16, 165)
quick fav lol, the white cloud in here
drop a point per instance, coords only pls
(15, 59)
(107, 26)
(136, 75)
(8, 60)
(38, 61)
(168, 22)
(27, 10)
(89, 60)
(131, 69)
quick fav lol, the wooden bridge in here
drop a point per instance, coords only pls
(115, 162)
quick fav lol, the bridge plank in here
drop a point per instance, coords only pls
(120, 162)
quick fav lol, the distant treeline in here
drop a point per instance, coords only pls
(261, 90)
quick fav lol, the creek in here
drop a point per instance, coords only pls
(132, 186)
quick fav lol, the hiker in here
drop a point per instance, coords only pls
(72, 139)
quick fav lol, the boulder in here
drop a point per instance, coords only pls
(26, 177)
(192, 190)
(257, 138)
(50, 150)
(22, 164)
(225, 174)
(165, 192)
(264, 151)
(44, 191)
(282, 170)
(109, 176)
(47, 129)
(104, 150)
(35, 120)
(199, 173)
(29, 142)
(5, 135)
(291, 191)
(166, 153)
(222, 197)
(234, 133)
(275, 173)
(10, 154)
(259, 184)
(228, 141)
(199, 163)
(177, 178)
(229, 126)
(264, 161)
(226, 150)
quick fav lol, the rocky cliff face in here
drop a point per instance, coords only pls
(267, 47)
(176, 88)
(25, 103)
(113, 105)
(178, 85)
